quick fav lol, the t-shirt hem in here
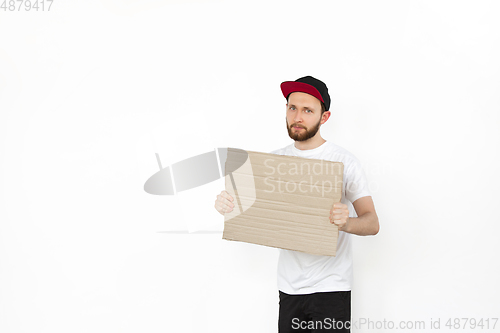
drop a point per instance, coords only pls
(306, 291)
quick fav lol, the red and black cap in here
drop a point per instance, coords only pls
(308, 85)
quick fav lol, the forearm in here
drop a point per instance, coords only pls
(364, 225)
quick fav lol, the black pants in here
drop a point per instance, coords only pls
(318, 312)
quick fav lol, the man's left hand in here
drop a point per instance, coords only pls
(339, 214)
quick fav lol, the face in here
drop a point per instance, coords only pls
(303, 116)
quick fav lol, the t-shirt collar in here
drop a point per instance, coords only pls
(308, 152)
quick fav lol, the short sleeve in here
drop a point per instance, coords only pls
(356, 184)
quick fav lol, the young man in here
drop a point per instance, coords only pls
(315, 291)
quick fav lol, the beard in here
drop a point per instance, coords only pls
(302, 135)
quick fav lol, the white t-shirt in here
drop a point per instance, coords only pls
(303, 273)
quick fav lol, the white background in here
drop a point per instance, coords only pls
(91, 90)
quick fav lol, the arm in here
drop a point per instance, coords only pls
(365, 224)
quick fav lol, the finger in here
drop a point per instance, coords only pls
(220, 198)
(217, 205)
(338, 215)
(228, 207)
(223, 205)
(227, 196)
(225, 201)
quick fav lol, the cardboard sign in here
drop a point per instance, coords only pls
(282, 201)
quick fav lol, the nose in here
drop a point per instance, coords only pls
(297, 118)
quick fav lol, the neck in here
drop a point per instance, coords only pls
(312, 143)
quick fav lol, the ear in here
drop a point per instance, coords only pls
(325, 117)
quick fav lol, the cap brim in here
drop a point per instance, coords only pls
(289, 87)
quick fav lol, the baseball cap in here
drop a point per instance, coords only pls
(308, 85)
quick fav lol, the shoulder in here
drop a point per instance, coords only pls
(282, 151)
(338, 153)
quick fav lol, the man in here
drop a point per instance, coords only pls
(315, 291)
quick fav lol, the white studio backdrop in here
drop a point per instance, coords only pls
(91, 90)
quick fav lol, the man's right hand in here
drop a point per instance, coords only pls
(224, 203)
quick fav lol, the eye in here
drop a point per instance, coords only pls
(308, 111)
